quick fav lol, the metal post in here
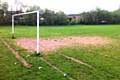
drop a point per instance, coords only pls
(13, 30)
(38, 44)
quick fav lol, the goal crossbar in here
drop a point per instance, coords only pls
(38, 19)
(25, 13)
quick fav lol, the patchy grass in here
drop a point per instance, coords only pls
(11, 71)
(105, 59)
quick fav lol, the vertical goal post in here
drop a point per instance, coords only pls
(38, 20)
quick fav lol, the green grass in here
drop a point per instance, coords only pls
(105, 59)
(53, 31)
(10, 71)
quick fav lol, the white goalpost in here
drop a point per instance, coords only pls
(38, 19)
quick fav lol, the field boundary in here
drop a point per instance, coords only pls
(17, 55)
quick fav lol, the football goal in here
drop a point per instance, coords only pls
(37, 27)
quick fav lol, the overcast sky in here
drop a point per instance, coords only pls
(72, 6)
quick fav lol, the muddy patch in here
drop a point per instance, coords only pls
(48, 45)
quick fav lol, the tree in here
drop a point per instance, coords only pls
(116, 16)
(5, 7)
(49, 17)
(52, 18)
(61, 18)
(97, 16)
(3, 12)
(31, 18)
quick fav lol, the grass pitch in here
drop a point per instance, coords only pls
(105, 59)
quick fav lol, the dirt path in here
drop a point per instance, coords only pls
(17, 55)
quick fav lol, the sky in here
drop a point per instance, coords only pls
(71, 6)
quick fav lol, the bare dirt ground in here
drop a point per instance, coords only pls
(48, 45)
